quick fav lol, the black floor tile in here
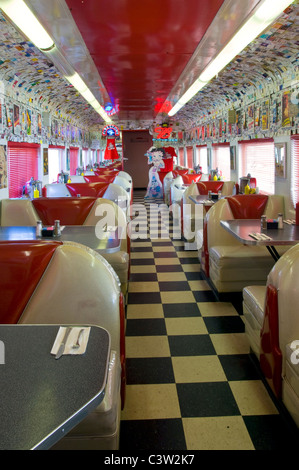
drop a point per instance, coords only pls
(204, 296)
(169, 268)
(271, 432)
(174, 286)
(143, 277)
(165, 254)
(229, 324)
(191, 345)
(238, 367)
(149, 370)
(181, 310)
(141, 261)
(144, 298)
(152, 434)
(206, 399)
(194, 276)
(146, 327)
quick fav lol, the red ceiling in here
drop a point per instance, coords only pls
(140, 47)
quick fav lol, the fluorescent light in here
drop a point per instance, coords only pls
(82, 88)
(257, 23)
(25, 20)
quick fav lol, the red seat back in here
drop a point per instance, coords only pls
(22, 265)
(70, 211)
(87, 189)
(193, 177)
(247, 206)
(105, 178)
(205, 186)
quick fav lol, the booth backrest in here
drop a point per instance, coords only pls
(216, 235)
(56, 190)
(22, 265)
(78, 287)
(70, 211)
(205, 186)
(19, 212)
(105, 171)
(281, 317)
(87, 189)
(247, 206)
(104, 178)
(188, 179)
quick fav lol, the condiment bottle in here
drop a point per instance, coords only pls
(57, 229)
(280, 221)
(38, 231)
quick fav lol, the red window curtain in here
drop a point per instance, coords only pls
(257, 158)
(221, 160)
(295, 169)
(22, 165)
(190, 157)
(74, 151)
(181, 157)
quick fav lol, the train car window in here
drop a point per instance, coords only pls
(221, 160)
(22, 166)
(295, 169)
(257, 158)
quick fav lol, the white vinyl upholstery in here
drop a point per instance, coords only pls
(57, 190)
(232, 265)
(80, 288)
(19, 212)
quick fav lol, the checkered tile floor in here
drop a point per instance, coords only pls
(191, 382)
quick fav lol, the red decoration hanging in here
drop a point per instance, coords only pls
(110, 151)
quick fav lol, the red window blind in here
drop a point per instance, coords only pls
(202, 157)
(257, 158)
(221, 160)
(190, 157)
(73, 160)
(295, 169)
(181, 157)
(22, 165)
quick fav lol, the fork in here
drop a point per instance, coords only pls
(77, 344)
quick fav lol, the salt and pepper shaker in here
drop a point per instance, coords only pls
(263, 222)
(57, 230)
(219, 194)
(280, 220)
(210, 194)
(38, 231)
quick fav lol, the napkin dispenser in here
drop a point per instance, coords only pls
(272, 224)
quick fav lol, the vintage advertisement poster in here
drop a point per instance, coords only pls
(3, 167)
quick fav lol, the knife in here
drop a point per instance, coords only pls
(63, 343)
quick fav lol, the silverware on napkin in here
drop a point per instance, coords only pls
(63, 343)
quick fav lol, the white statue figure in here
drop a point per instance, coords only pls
(155, 156)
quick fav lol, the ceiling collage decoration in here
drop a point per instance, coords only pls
(265, 66)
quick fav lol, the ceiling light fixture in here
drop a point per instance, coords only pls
(21, 15)
(261, 18)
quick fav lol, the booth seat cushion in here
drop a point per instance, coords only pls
(254, 302)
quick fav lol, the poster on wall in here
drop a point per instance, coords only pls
(9, 116)
(1, 114)
(16, 120)
(46, 161)
(28, 121)
(265, 116)
(39, 124)
(285, 120)
(3, 167)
